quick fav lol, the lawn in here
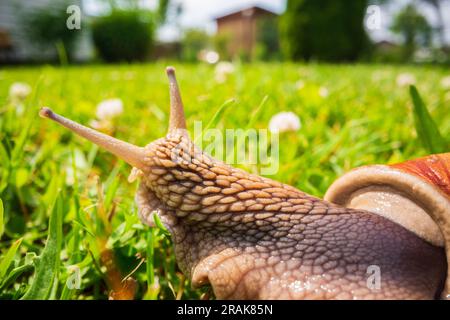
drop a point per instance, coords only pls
(94, 241)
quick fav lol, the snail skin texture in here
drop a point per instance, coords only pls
(251, 237)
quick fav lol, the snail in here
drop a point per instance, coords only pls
(250, 237)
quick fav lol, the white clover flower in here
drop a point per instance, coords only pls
(115, 76)
(208, 56)
(129, 75)
(405, 79)
(223, 70)
(212, 57)
(445, 83)
(284, 122)
(95, 124)
(300, 84)
(19, 91)
(109, 109)
(379, 75)
(323, 92)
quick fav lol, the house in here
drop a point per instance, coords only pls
(244, 28)
(17, 47)
(386, 46)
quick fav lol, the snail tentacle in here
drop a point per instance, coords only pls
(128, 152)
(177, 119)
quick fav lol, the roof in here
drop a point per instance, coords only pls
(242, 10)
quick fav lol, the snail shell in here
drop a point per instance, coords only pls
(414, 194)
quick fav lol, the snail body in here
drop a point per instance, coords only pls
(251, 237)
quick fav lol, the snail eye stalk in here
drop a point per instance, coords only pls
(128, 152)
(177, 118)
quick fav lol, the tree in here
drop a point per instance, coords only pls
(46, 26)
(193, 41)
(268, 46)
(437, 5)
(326, 30)
(127, 32)
(161, 11)
(123, 35)
(414, 29)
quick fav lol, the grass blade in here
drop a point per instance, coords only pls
(7, 260)
(2, 226)
(426, 128)
(216, 118)
(5, 169)
(256, 112)
(14, 274)
(18, 151)
(151, 292)
(160, 225)
(48, 264)
(219, 114)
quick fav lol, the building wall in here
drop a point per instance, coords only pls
(242, 30)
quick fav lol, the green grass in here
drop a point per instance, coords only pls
(68, 207)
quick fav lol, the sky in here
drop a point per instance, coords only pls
(200, 14)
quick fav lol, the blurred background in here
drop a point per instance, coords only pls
(93, 31)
